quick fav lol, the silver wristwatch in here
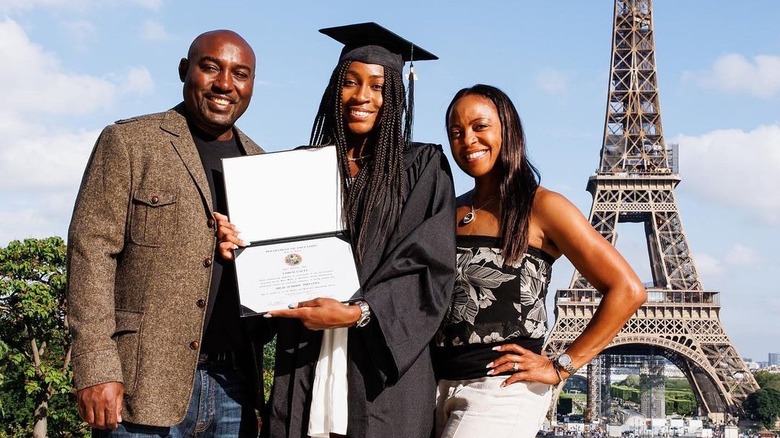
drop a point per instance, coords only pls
(365, 314)
(563, 362)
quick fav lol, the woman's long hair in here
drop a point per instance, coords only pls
(377, 190)
(521, 179)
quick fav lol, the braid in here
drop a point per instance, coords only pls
(323, 130)
(377, 190)
(382, 189)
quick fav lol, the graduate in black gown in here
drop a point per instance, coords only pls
(399, 208)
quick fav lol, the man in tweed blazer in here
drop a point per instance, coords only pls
(153, 313)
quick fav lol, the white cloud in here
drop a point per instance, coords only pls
(149, 4)
(81, 32)
(742, 256)
(738, 257)
(7, 6)
(734, 73)
(552, 81)
(737, 168)
(59, 159)
(707, 266)
(136, 81)
(43, 216)
(42, 161)
(11, 6)
(773, 304)
(43, 86)
(42, 170)
(154, 31)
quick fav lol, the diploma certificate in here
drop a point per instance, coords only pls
(287, 206)
(275, 275)
(280, 195)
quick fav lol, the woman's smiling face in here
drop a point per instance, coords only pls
(474, 131)
(361, 97)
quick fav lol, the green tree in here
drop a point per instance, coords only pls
(767, 380)
(679, 396)
(631, 380)
(763, 406)
(269, 358)
(36, 397)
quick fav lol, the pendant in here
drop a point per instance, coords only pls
(468, 218)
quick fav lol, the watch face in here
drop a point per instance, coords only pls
(564, 361)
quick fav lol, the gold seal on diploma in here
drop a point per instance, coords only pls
(293, 259)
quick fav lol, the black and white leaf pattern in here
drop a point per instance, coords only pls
(485, 276)
(488, 296)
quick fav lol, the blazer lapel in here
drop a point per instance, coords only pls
(175, 124)
(246, 144)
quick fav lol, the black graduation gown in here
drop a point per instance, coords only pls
(407, 283)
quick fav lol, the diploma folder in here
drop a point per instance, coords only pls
(287, 208)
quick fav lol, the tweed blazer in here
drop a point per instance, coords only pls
(140, 249)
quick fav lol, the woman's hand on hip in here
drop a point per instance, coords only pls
(525, 366)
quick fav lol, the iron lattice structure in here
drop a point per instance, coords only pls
(635, 182)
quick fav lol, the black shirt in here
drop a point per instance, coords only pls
(223, 320)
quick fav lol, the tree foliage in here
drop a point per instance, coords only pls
(767, 380)
(269, 359)
(763, 406)
(36, 398)
(678, 395)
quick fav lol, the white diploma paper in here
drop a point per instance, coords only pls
(287, 205)
(284, 194)
(276, 275)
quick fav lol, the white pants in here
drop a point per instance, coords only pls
(482, 408)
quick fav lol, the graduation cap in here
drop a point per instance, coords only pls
(373, 44)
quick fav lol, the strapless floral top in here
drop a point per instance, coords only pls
(492, 303)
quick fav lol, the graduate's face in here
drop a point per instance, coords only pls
(218, 76)
(361, 97)
(474, 132)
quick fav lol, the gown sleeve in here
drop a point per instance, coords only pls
(410, 286)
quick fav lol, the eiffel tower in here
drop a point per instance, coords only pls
(635, 183)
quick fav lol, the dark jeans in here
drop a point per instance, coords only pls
(221, 407)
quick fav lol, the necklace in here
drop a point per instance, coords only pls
(362, 157)
(472, 215)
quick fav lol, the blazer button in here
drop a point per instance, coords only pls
(211, 223)
(194, 345)
(207, 263)
(201, 303)
(154, 200)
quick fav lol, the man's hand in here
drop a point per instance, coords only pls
(101, 405)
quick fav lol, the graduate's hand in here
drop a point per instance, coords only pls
(227, 237)
(320, 313)
(525, 366)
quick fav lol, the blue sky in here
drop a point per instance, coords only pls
(73, 66)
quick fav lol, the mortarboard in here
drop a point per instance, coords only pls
(373, 44)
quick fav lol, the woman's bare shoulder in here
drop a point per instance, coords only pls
(547, 201)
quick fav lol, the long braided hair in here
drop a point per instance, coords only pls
(377, 190)
(521, 179)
